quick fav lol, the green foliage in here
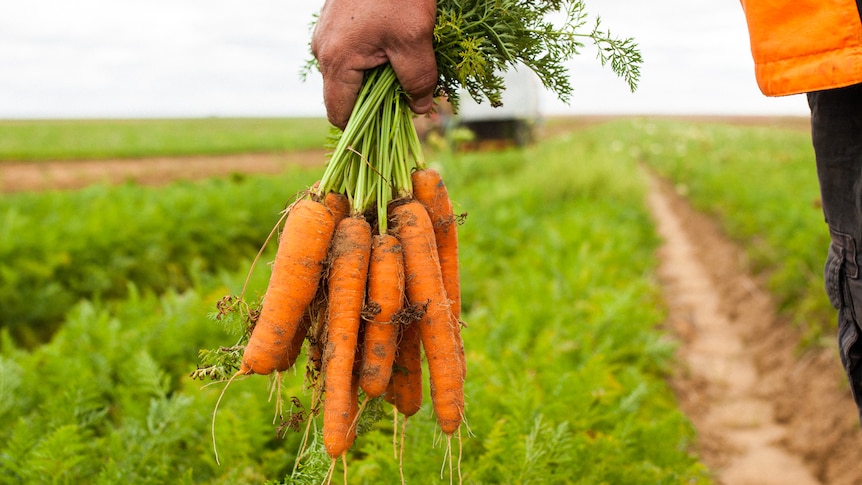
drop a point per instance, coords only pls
(108, 401)
(566, 361)
(40, 140)
(566, 366)
(59, 247)
(475, 41)
(238, 318)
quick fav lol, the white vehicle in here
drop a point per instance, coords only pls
(515, 120)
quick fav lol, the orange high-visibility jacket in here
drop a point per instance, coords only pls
(804, 45)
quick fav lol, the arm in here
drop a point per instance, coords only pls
(352, 36)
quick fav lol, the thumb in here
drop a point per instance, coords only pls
(339, 95)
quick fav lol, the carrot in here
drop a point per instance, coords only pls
(405, 386)
(389, 395)
(354, 393)
(385, 294)
(351, 432)
(295, 276)
(351, 248)
(295, 346)
(429, 189)
(338, 204)
(406, 379)
(424, 287)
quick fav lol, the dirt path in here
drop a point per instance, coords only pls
(18, 177)
(764, 415)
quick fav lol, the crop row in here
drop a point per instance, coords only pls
(57, 248)
(40, 140)
(567, 365)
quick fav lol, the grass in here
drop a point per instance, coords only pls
(40, 140)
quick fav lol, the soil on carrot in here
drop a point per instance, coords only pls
(764, 413)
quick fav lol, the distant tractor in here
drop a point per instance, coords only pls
(512, 123)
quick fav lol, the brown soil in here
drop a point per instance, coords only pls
(764, 413)
(25, 176)
(17, 177)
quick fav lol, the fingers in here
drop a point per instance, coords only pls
(417, 73)
(341, 85)
(342, 74)
(352, 36)
(339, 95)
(412, 56)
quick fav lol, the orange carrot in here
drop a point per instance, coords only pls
(389, 395)
(353, 410)
(429, 189)
(351, 248)
(295, 276)
(406, 379)
(295, 346)
(424, 287)
(385, 294)
(338, 204)
(354, 393)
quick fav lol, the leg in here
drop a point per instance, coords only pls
(836, 129)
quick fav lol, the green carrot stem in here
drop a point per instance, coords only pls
(373, 157)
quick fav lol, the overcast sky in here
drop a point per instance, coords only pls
(190, 58)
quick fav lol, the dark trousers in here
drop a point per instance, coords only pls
(836, 130)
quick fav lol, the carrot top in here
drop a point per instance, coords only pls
(373, 157)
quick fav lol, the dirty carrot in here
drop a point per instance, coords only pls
(429, 189)
(338, 204)
(424, 287)
(405, 391)
(295, 346)
(348, 272)
(296, 273)
(385, 295)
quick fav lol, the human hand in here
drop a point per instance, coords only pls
(352, 36)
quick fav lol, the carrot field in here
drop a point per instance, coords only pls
(108, 293)
(39, 140)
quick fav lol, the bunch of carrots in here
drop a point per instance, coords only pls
(366, 273)
(366, 270)
(367, 301)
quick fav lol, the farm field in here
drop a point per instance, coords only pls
(575, 350)
(61, 140)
